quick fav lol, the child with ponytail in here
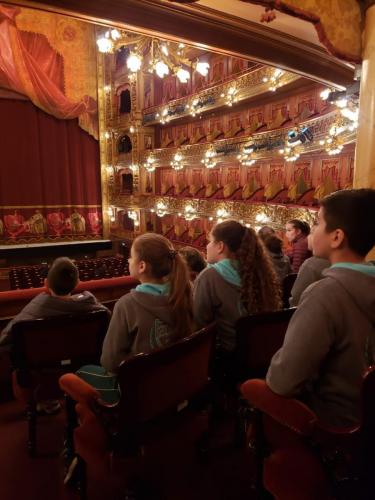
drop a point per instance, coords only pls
(240, 280)
(156, 313)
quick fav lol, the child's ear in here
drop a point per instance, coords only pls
(337, 238)
(142, 267)
(221, 246)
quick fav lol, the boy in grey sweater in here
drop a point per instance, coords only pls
(310, 271)
(58, 300)
(329, 341)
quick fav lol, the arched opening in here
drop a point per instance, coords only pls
(127, 183)
(124, 144)
(125, 102)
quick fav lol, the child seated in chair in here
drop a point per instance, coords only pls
(58, 300)
(330, 339)
(239, 280)
(156, 313)
(194, 260)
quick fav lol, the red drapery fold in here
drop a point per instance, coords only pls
(28, 65)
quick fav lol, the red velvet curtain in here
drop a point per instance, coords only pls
(49, 175)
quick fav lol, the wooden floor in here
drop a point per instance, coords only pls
(226, 475)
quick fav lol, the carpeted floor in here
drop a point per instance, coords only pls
(225, 476)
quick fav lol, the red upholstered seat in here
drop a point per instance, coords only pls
(300, 459)
(259, 336)
(44, 349)
(11, 302)
(155, 420)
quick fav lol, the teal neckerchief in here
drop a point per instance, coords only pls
(153, 288)
(368, 269)
(226, 268)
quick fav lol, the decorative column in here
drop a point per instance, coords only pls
(364, 167)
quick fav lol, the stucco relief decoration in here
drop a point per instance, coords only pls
(337, 22)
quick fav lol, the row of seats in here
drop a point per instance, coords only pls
(89, 269)
(150, 416)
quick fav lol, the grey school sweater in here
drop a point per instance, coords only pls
(323, 357)
(44, 306)
(215, 299)
(140, 322)
(310, 271)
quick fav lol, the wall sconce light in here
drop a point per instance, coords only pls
(132, 214)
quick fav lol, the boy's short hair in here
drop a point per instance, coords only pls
(273, 243)
(193, 258)
(63, 276)
(353, 212)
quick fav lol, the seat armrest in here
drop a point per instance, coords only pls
(288, 412)
(78, 389)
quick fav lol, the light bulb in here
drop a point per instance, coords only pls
(324, 94)
(105, 45)
(115, 34)
(161, 69)
(202, 68)
(164, 49)
(134, 62)
(183, 75)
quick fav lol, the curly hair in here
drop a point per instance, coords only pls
(260, 288)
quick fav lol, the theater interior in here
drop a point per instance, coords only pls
(123, 117)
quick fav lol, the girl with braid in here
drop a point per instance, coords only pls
(239, 280)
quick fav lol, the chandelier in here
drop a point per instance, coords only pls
(161, 209)
(291, 153)
(149, 164)
(333, 143)
(209, 158)
(176, 163)
(190, 212)
(245, 158)
(161, 57)
(231, 96)
(221, 214)
(274, 80)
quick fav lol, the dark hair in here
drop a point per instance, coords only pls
(260, 290)
(265, 231)
(194, 259)
(273, 243)
(353, 212)
(301, 225)
(62, 277)
(164, 262)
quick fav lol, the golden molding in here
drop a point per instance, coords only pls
(319, 127)
(277, 214)
(248, 85)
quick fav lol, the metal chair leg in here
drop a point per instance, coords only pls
(31, 418)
